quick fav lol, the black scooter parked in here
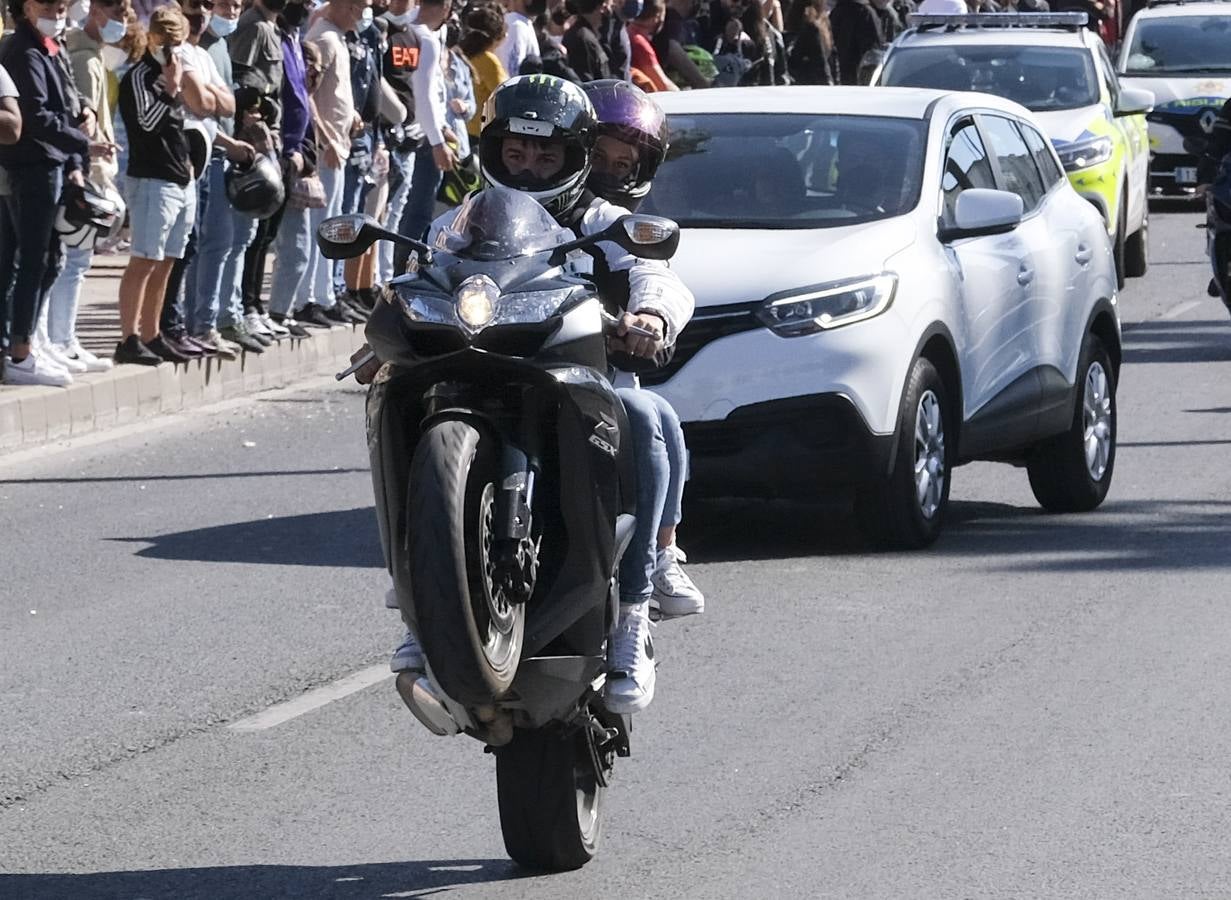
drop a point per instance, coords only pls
(505, 498)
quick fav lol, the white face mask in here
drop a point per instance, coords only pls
(160, 55)
(114, 57)
(222, 27)
(366, 19)
(53, 28)
(113, 32)
(78, 12)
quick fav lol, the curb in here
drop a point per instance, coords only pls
(126, 394)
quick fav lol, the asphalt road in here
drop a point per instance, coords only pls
(1034, 708)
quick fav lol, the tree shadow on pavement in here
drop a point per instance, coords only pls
(367, 881)
(1130, 535)
(1177, 342)
(338, 538)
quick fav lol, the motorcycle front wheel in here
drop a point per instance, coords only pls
(470, 631)
(551, 799)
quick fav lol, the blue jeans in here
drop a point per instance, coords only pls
(424, 184)
(30, 250)
(318, 285)
(231, 298)
(653, 464)
(354, 191)
(677, 459)
(65, 295)
(205, 273)
(401, 166)
(293, 248)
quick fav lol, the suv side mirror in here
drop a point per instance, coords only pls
(1134, 102)
(980, 212)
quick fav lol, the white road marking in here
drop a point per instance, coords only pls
(1179, 309)
(314, 699)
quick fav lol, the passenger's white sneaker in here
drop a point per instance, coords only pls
(36, 369)
(408, 657)
(674, 592)
(92, 363)
(56, 355)
(631, 674)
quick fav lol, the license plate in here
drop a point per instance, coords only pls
(1186, 175)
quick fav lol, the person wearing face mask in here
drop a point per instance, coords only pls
(54, 146)
(402, 137)
(159, 184)
(94, 53)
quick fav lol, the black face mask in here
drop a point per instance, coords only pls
(294, 15)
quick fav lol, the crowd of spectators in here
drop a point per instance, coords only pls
(183, 111)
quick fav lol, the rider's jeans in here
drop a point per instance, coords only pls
(649, 445)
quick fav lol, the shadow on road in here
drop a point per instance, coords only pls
(1156, 341)
(338, 538)
(360, 882)
(1130, 535)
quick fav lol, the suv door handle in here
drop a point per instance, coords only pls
(1025, 274)
(1084, 254)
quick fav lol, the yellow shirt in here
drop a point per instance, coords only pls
(489, 74)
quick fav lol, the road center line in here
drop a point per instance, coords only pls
(1179, 309)
(313, 699)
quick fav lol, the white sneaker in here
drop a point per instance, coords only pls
(674, 592)
(631, 676)
(81, 354)
(53, 353)
(408, 657)
(256, 325)
(36, 369)
(274, 329)
(225, 348)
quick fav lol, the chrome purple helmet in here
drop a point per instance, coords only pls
(627, 114)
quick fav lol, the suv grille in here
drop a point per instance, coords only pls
(707, 325)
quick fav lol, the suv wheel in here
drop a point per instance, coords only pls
(1137, 249)
(1071, 472)
(1120, 245)
(907, 509)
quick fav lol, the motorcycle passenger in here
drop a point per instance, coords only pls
(1218, 146)
(631, 145)
(538, 133)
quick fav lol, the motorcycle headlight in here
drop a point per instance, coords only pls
(829, 306)
(1084, 154)
(476, 298)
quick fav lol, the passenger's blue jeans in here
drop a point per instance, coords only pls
(424, 184)
(653, 464)
(30, 251)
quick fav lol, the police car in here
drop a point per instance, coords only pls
(1054, 66)
(1182, 53)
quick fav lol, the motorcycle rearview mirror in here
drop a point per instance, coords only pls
(646, 237)
(345, 237)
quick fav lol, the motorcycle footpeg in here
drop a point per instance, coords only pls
(420, 698)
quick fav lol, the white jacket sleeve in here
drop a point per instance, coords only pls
(427, 82)
(652, 286)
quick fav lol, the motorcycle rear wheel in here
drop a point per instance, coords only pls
(551, 800)
(471, 634)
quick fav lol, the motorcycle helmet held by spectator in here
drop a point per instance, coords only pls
(87, 212)
(256, 189)
(545, 108)
(627, 114)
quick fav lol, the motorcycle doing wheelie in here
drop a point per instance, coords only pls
(505, 498)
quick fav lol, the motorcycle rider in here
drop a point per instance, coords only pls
(1216, 148)
(537, 136)
(631, 145)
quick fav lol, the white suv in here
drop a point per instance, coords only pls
(890, 282)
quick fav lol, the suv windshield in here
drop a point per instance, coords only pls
(500, 223)
(1039, 78)
(1182, 44)
(787, 170)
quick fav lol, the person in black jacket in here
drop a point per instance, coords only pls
(856, 30)
(586, 55)
(53, 147)
(810, 59)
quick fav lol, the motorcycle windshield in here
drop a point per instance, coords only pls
(500, 223)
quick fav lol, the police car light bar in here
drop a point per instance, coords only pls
(1072, 21)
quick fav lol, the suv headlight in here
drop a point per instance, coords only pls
(829, 306)
(1085, 154)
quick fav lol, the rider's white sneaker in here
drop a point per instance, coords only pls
(674, 592)
(630, 679)
(408, 657)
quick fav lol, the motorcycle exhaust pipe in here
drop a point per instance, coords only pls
(420, 698)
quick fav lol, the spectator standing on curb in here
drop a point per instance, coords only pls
(520, 42)
(223, 235)
(434, 157)
(856, 30)
(404, 136)
(53, 146)
(161, 199)
(811, 58)
(10, 123)
(483, 32)
(670, 42)
(641, 32)
(93, 52)
(586, 55)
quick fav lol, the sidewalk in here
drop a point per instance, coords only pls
(35, 415)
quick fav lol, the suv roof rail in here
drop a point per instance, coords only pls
(1068, 21)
